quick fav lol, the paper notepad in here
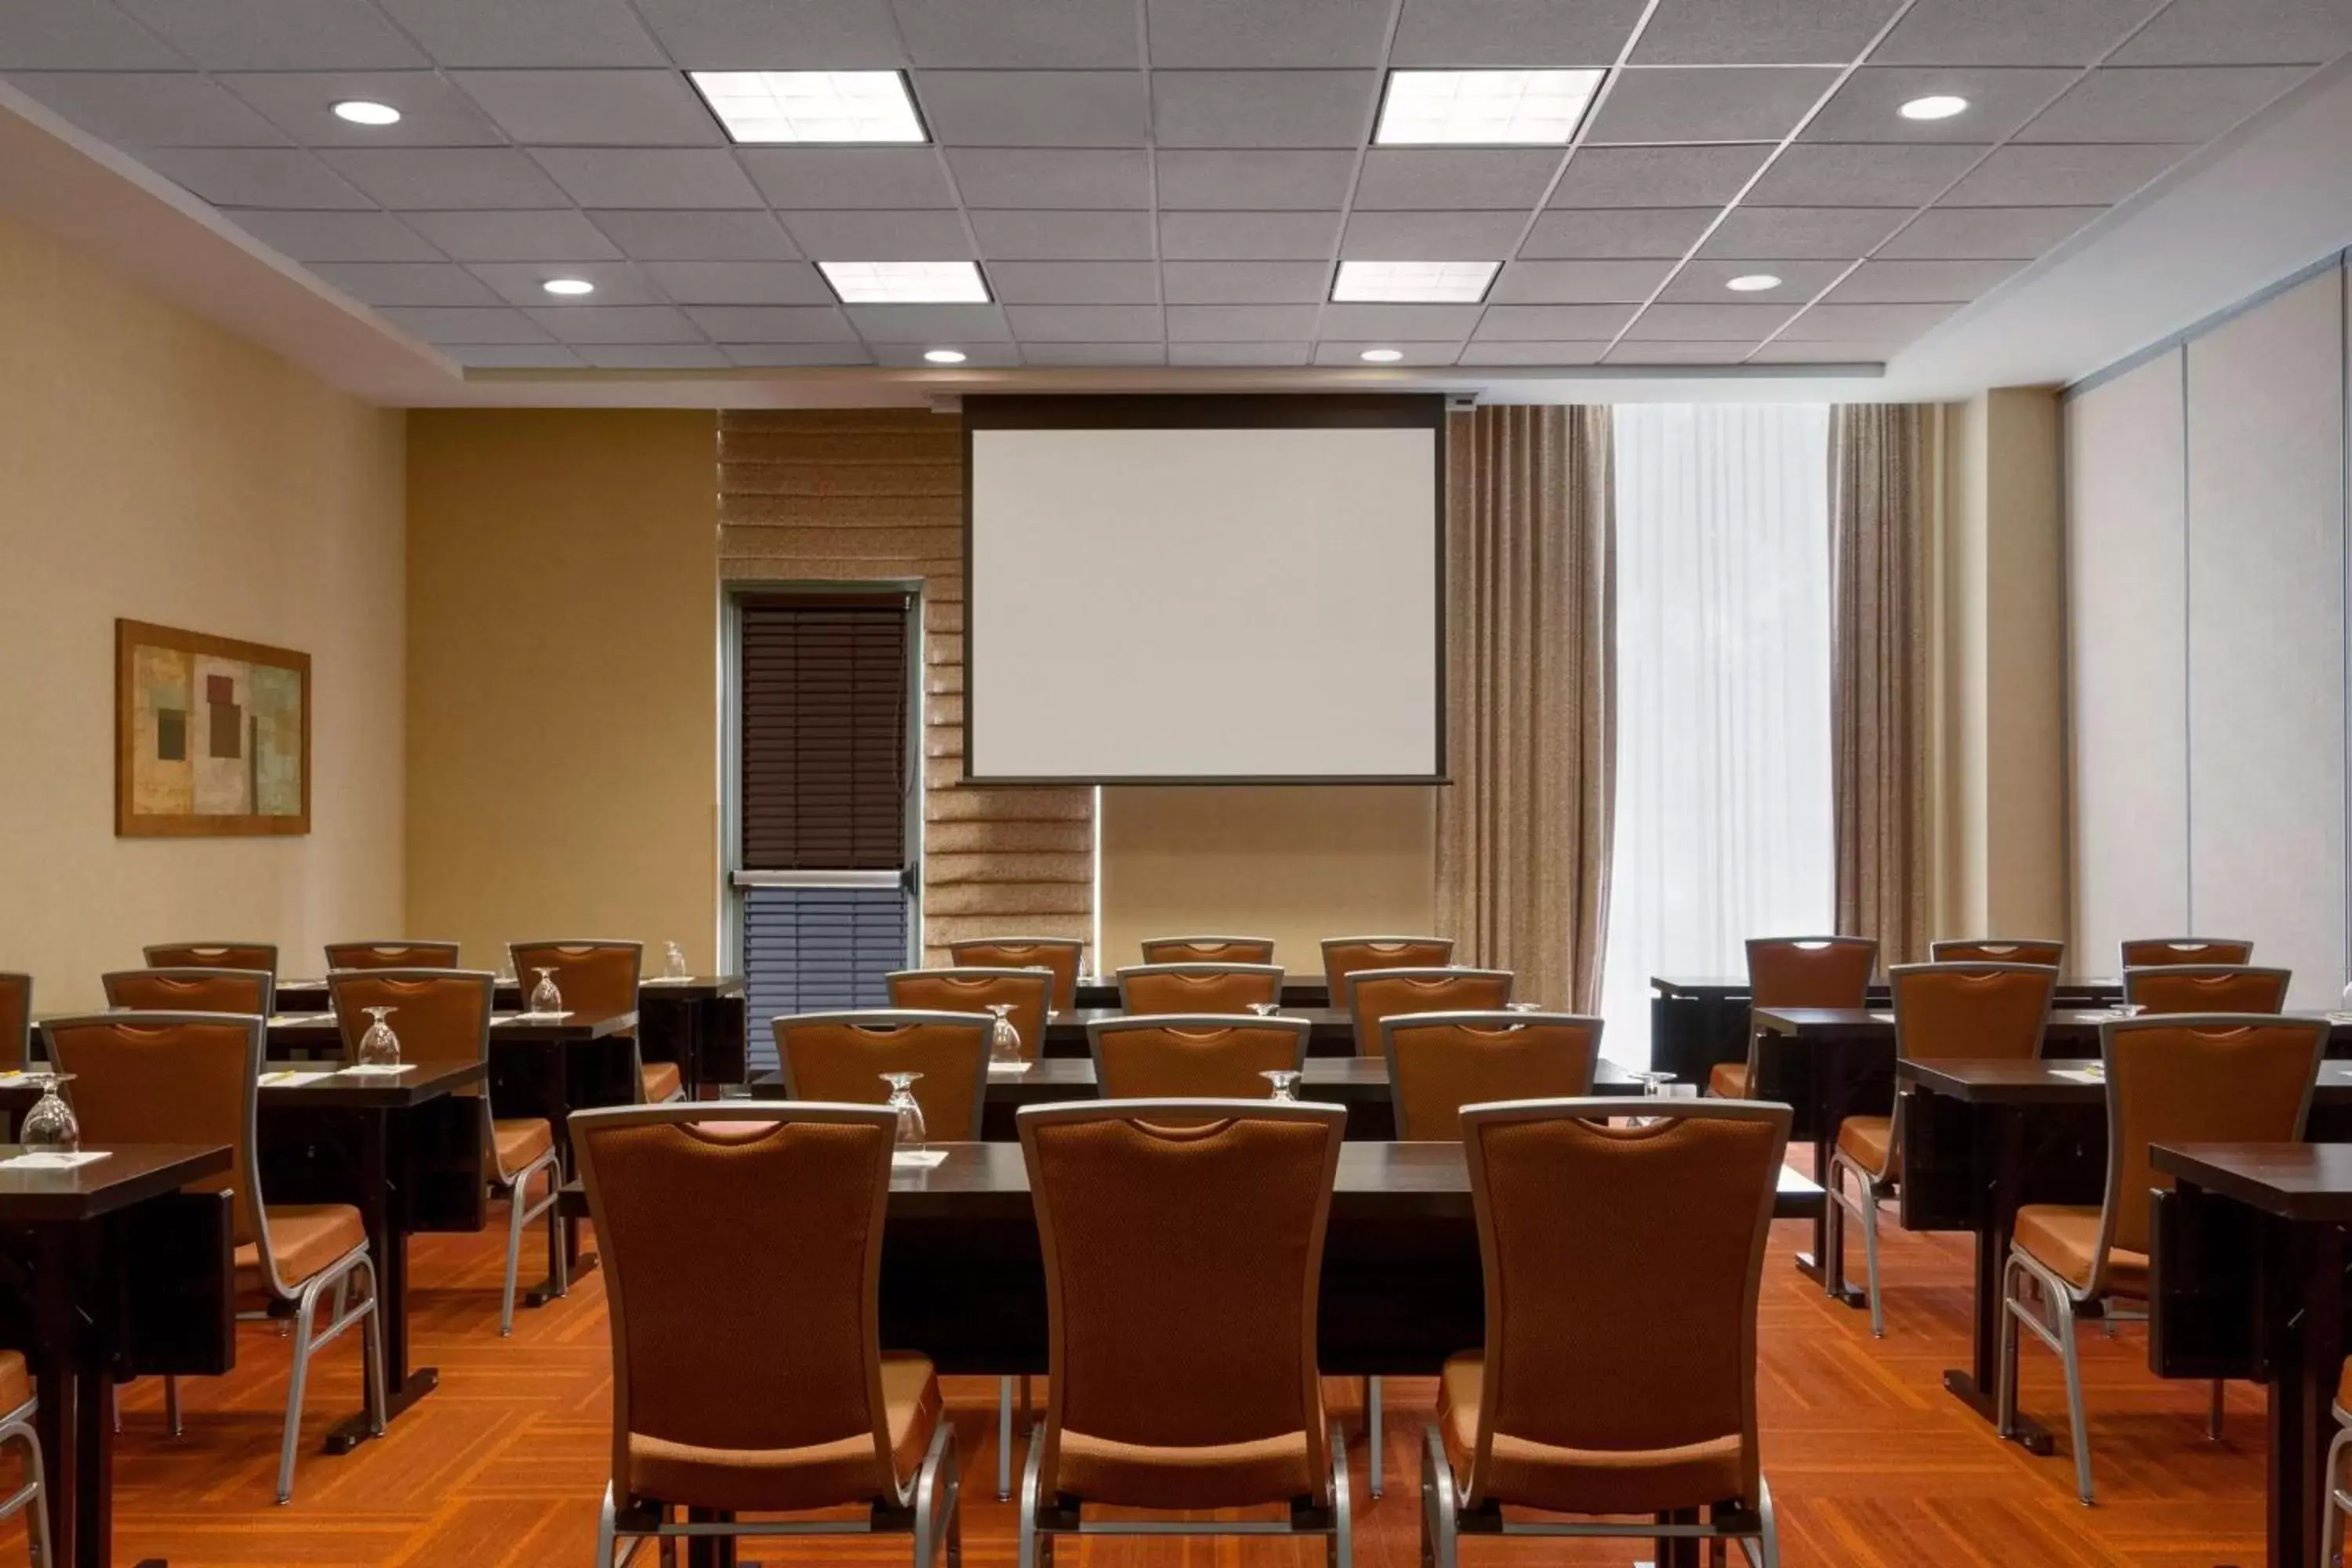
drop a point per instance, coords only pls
(917, 1159)
(298, 1020)
(292, 1078)
(1010, 1067)
(2081, 1075)
(374, 1069)
(44, 1159)
(531, 1017)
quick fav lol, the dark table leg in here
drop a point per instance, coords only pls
(54, 1360)
(2307, 1359)
(1828, 1084)
(383, 1196)
(2000, 1141)
(555, 1102)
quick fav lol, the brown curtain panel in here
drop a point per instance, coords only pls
(1523, 838)
(1882, 460)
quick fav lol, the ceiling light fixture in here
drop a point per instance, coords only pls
(1382, 356)
(1752, 282)
(811, 106)
(944, 356)
(569, 288)
(1484, 107)
(906, 282)
(1413, 283)
(366, 111)
(1935, 106)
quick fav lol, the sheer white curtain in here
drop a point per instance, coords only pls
(1723, 807)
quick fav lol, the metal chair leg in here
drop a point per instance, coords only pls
(1768, 1541)
(606, 1538)
(2331, 1529)
(1439, 1538)
(2073, 1365)
(1003, 1438)
(295, 1389)
(1028, 1554)
(172, 1404)
(1869, 1196)
(1343, 1552)
(34, 1498)
(1372, 1432)
(2005, 1357)
(372, 1353)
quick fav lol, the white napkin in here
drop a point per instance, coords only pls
(45, 1160)
(1010, 1067)
(289, 1078)
(2082, 1075)
(375, 1069)
(917, 1159)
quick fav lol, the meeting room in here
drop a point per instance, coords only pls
(1175, 782)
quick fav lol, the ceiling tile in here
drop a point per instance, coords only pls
(464, 324)
(1248, 237)
(1578, 282)
(1240, 323)
(432, 112)
(337, 236)
(2161, 103)
(1037, 35)
(1857, 323)
(1838, 234)
(616, 324)
(594, 108)
(1837, 174)
(1405, 323)
(1668, 351)
(1908, 282)
(1352, 353)
(1558, 323)
(428, 178)
(977, 356)
(738, 282)
(545, 33)
(255, 177)
(2009, 32)
(1245, 282)
(515, 356)
(1652, 176)
(1251, 33)
(1084, 323)
(656, 356)
(1702, 279)
(151, 109)
(1263, 108)
(278, 35)
(930, 323)
(1987, 233)
(556, 234)
(782, 355)
(1242, 354)
(849, 177)
(1736, 104)
(855, 235)
(1063, 236)
(739, 35)
(1788, 351)
(1074, 282)
(2019, 176)
(1533, 352)
(617, 283)
(1269, 180)
(1074, 353)
(1617, 232)
(1712, 323)
(1761, 32)
(1433, 177)
(2241, 32)
(407, 282)
(698, 236)
(1868, 107)
(650, 177)
(1432, 237)
(772, 323)
(78, 35)
(1035, 109)
(1051, 177)
(1513, 32)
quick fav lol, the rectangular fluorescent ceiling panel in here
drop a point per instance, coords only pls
(906, 282)
(811, 106)
(1486, 109)
(1413, 283)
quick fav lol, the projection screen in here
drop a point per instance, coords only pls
(1204, 589)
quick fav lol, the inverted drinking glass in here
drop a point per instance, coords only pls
(50, 1126)
(911, 1134)
(1285, 1083)
(544, 997)
(379, 1047)
(1003, 1039)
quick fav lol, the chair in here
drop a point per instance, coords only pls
(212, 955)
(2144, 952)
(192, 1077)
(1440, 1062)
(1619, 1372)
(1343, 955)
(1190, 1387)
(598, 976)
(1059, 956)
(2340, 1495)
(840, 1058)
(1797, 972)
(1198, 1057)
(16, 1022)
(2206, 988)
(393, 955)
(442, 1017)
(1372, 994)
(1942, 1010)
(742, 1248)
(1198, 987)
(2171, 1078)
(18, 1409)
(1996, 950)
(1208, 950)
(249, 990)
(1026, 993)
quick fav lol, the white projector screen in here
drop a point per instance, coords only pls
(1201, 589)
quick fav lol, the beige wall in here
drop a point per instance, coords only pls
(562, 690)
(155, 468)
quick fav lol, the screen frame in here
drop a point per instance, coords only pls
(1211, 411)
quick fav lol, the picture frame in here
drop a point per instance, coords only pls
(212, 735)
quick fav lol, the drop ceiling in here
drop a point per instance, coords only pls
(1164, 183)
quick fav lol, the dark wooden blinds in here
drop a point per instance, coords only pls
(825, 686)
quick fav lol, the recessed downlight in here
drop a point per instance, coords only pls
(944, 356)
(1935, 106)
(569, 288)
(1382, 356)
(1752, 282)
(366, 111)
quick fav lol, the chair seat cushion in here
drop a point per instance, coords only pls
(788, 1480)
(1579, 1481)
(1869, 1142)
(1728, 1080)
(1210, 1475)
(15, 1382)
(518, 1141)
(2343, 1388)
(2065, 1239)
(304, 1238)
(659, 1079)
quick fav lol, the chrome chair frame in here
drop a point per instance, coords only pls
(2340, 1495)
(1444, 1523)
(892, 1018)
(16, 1426)
(2142, 974)
(412, 945)
(1191, 1023)
(1202, 968)
(2180, 944)
(147, 953)
(193, 971)
(1195, 943)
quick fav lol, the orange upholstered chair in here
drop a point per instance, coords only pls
(1619, 1372)
(1026, 994)
(16, 1020)
(191, 990)
(2206, 988)
(841, 1057)
(1343, 955)
(596, 976)
(1204, 1057)
(1999, 949)
(1198, 987)
(1373, 995)
(1058, 956)
(1208, 950)
(212, 955)
(1440, 1062)
(742, 1248)
(1797, 972)
(2147, 951)
(18, 1410)
(392, 955)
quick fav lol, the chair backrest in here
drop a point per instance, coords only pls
(1620, 1322)
(2211, 1078)
(1440, 1062)
(16, 1020)
(2149, 951)
(1194, 1057)
(2206, 988)
(442, 1015)
(841, 1057)
(1208, 950)
(1811, 971)
(1194, 1249)
(1971, 1009)
(191, 990)
(594, 976)
(1197, 987)
(1373, 995)
(736, 1227)
(393, 955)
(1028, 993)
(1999, 949)
(1057, 955)
(212, 955)
(1343, 955)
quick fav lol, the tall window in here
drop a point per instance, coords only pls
(1722, 827)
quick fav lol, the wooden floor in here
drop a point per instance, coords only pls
(1869, 1461)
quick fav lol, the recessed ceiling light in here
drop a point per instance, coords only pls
(365, 112)
(811, 106)
(1395, 282)
(906, 282)
(944, 356)
(1382, 356)
(569, 287)
(1750, 282)
(1487, 108)
(1935, 106)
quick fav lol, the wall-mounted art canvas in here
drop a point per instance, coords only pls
(212, 735)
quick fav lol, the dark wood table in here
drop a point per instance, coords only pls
(698, 1021)
(1329, 1031)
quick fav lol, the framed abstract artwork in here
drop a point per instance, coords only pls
(212, 736)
